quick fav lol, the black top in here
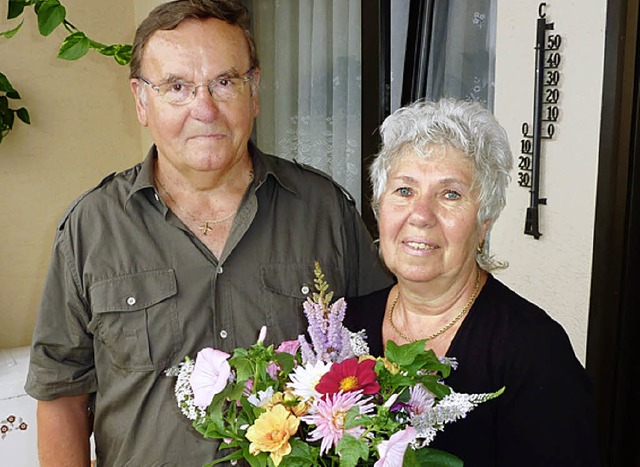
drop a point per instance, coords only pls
(545, 416)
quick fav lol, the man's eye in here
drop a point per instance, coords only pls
(224, 83)
(176, 87)
(452, 195)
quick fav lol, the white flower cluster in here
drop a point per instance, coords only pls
(359, 344)
(183, 391)
(451, 408)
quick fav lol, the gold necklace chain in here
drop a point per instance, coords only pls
(444, 328)
(205, 224)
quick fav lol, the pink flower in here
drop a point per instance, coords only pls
(291, 347)
(210, 375)
(329, 414)
(392, 450)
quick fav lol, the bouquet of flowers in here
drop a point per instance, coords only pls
(324, 402)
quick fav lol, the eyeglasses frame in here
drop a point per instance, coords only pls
(245, 77)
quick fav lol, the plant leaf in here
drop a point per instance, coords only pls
(12, 32)
(23, 115)
(123, 54)
(10, 118)
(75, 46)
(5, 85)
(16, 7)
(50, 15)
(430, 457)
(352, 449)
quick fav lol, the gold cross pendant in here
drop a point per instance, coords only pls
(205, 228)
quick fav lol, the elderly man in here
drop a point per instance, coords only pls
(200, 245)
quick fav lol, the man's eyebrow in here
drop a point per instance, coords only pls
(229, 73)
(171, 78)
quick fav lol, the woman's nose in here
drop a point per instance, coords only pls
(423, 212)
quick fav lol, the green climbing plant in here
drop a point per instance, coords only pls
(51, 14)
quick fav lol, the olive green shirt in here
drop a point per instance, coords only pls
(131, 291)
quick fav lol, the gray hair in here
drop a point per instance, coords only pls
(169, 15)
(466, 126)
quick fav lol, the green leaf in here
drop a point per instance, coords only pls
(13, 95)
(10, 119)
(286, 362)
(12, 32)
(16, 7)
(243, 366)
(255, 461)
(4, 106)
(301, 455)
(123, 55)
(23, 115)
(75, 46)
(429, 457)
(351, 450)
(5, 85)
(50, 15)
(235, 455)
(109, 51)
(405, 354)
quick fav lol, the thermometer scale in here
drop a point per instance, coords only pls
(546, 112)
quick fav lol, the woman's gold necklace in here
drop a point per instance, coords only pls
(205, 224)
(444, 328)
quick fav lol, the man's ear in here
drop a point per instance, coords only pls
(140, 95)
(255, 87)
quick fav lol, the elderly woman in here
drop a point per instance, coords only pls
(439, 184)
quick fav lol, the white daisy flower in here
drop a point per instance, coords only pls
(304, 379)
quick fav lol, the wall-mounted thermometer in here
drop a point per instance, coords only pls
(546, 112)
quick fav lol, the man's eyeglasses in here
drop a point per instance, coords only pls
(226, 88)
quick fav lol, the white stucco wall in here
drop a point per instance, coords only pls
(554, 271)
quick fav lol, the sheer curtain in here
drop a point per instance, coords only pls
(464, 51)
(450, 50)
(310, 92)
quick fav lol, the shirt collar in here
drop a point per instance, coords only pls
(263, 166)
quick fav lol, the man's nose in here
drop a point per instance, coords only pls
(205, 107)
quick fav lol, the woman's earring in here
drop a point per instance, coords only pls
(480, 248)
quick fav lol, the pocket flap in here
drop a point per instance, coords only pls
(296, 280)
(133, 292)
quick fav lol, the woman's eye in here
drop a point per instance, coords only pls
(404, 191)
(452, 195)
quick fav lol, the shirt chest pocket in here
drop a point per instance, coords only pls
(135, 319)
(286, 287)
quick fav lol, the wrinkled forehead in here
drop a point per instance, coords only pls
(209, 45)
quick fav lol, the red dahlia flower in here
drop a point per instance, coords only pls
(349, 376)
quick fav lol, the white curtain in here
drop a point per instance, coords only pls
(463, 61)
(310, 92)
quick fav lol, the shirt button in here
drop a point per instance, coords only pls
(220, 269)
(304, 290)
(223, 334)
(131, 301)
(157, 197)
